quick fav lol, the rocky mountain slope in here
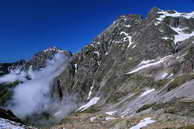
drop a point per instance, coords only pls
(137, 73)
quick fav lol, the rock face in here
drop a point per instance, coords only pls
(135, 65)
(5, 67)
(137, 69)
(39, 60)
(163, 40)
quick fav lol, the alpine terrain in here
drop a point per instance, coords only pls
(138, 73)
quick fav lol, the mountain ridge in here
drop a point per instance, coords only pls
(136, 69)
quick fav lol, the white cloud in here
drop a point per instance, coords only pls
(33, 96)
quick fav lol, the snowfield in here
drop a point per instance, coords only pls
(129, 38)
(176, 14)
(110, 113)
(92, 101)
(149, 63)
(7, 124)
(110, 118)
(181, 35)
(143, 123)
(90, 92)
(148, 91)
(164, 14)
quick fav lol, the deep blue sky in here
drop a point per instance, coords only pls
(28, 26)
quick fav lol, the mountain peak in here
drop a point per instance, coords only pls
(53, 49)
(153, 12)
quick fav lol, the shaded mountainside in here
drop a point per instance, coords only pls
(139, 71)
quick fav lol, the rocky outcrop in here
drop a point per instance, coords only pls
(5, 67)
(7, 114)
(39, 60)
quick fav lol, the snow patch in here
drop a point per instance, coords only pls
(129, 38)
(98, 43)
(98, 62)
(161, 75)
(53, 49)
(110, 113)
(164, 75)
(144, 66)
(117, 42)
(110, 118)
(164, 14)
(147, 64)
(92, 45)
(181, 36)
(143, 123)
(161, 31)
(166, 38)
(90, 92)
(157, 23)
(7, 124)
(146, 92)
(144, 62)
(97, 53)
(75, 66)
(133, 46)
(170, 75)
(128, 26)
(92, 119)
(93, 101)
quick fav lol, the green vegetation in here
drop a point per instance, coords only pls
(6, 92)
(163, 105)
(187, 127)
(1, 73)
(174, 106)
(116, 96)
(91, 110)
(140, 81)
(137, 82)
(134, 83)
(144, 107)
(180, 80)
(167, 19)
(161, 83)
(67, 120)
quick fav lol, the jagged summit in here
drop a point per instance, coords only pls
(53, 48)
(39, 59)
(173, 13)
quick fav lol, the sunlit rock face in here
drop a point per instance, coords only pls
(136, 70)
(135, 65)
(155, 48)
